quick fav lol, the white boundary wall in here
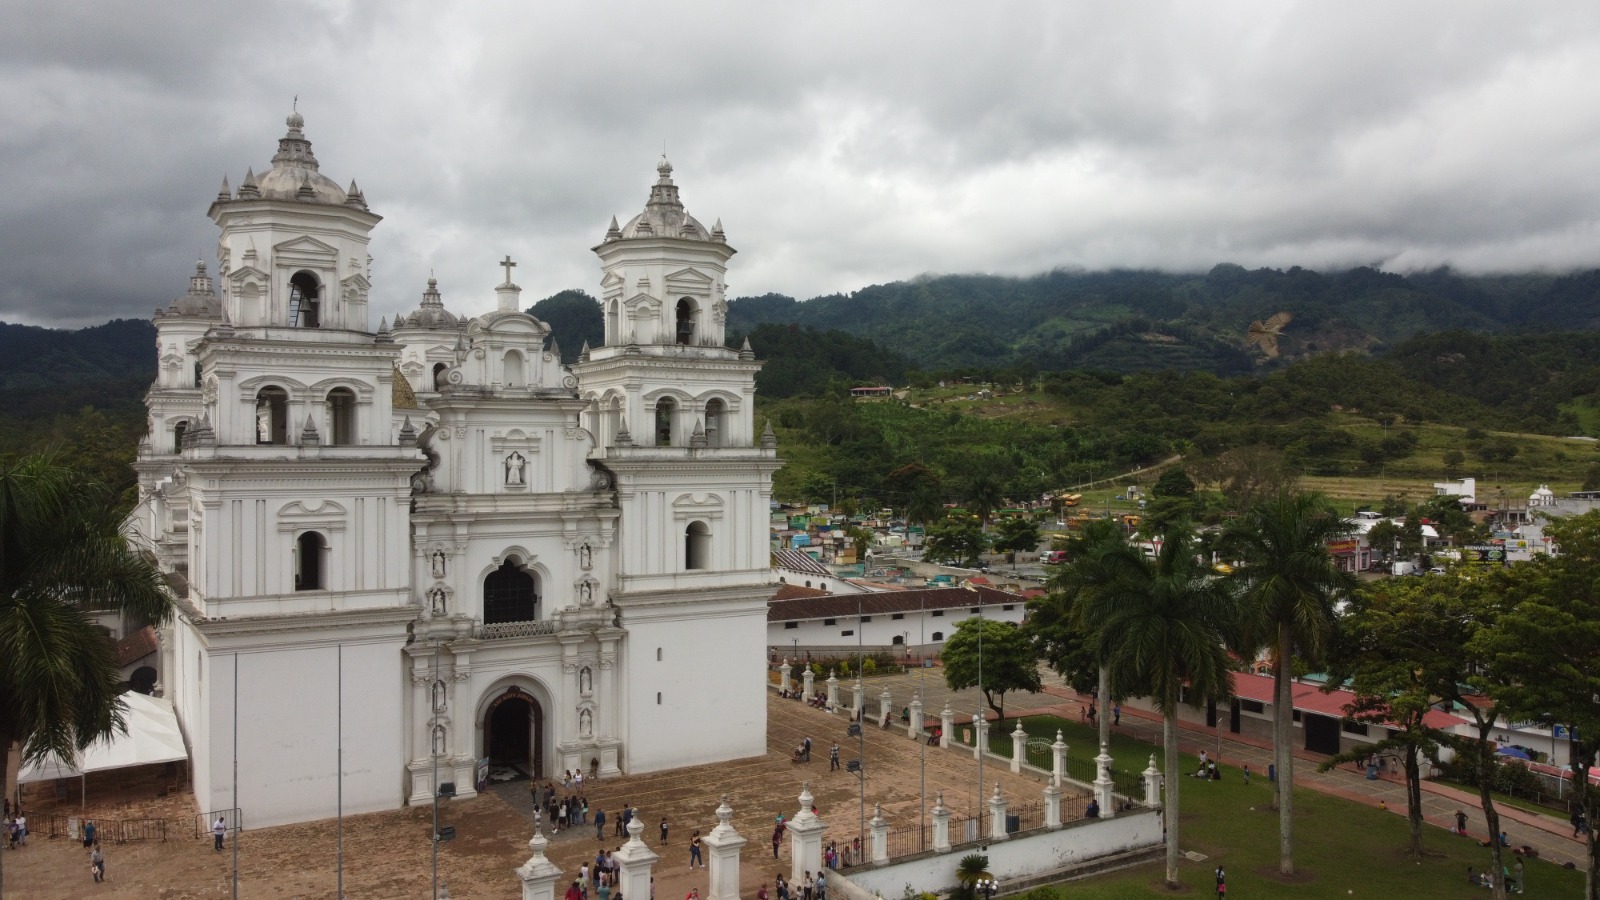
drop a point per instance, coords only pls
(1012, 859)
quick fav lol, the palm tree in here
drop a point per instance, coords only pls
(1287, 583)
(924, 506)
(984, 496)
(1095, 562)
(62, 559)
(1162, 634)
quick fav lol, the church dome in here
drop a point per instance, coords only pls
(201, 301)
(432, 313)
(294, 174)
(664, 215)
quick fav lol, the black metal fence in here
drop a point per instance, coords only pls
(107, 831)
(204, 822)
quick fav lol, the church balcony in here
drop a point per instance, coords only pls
(501, 630)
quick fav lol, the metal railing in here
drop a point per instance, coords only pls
(106, 831)
(501, 630)
(203, 822)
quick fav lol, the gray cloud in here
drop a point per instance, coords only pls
(841, 144)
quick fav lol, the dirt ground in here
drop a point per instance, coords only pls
(388, 855)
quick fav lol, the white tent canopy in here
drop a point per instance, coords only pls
(153, 737)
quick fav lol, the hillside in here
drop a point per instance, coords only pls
(1130, 321)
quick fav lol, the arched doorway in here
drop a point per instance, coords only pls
(513, 732)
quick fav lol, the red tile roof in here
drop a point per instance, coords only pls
(788, 592)
(1311, 698)
(136, 646)
(833, 606)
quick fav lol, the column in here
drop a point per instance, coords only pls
(980, 727)
(1019, 747)
(941, 824)
(722, 850)
(880, 836)
(1152, 784)
(885, 706)
(635, 861)
(805, 841)
(914, 729)
(1058, 760)
(783, 680)
(997, 816)
(1052, 806)
(947, 724)
(1103, 788)
(857, 699)
(808, 681)
(538, 875)
(833, 691)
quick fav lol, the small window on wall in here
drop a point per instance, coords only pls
(897, 639)
(658, 654)
(791, 624)
(311, 552)
(866, 618)
(1008, 607)
(830, 621)
(658, 698)
(305, 295)
(850, 633)
(898, 616)
(342, 416)
(1253, 706)
(697, 546)
(938, 635)
(938, 613)
(1352, 727)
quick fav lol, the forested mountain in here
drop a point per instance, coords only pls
(1131, 321)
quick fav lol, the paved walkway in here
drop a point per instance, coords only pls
(1551, 836)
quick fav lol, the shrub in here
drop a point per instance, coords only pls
(869, 666)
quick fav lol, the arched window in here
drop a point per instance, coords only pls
(697, 546)
(310, 562)
(438, 375)
(686, 321)
(510, 594)
(305, 300)
(716, 422)
(196, 374)
(342, 416)
(272, 416)
(938, 635)
(898, 639)
(177, 435)
(515, 370)
(666, 411)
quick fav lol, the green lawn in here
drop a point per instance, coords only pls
(1344, 849)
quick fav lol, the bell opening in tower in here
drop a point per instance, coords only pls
(304, 301)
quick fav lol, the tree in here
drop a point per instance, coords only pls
(1161, 634)
(862, 539)
(1005, 658)
(955, 540)
(983, 494)
(62, 559)
(1453, 460)
(1546, 651)
(924, 505)
(1174, 482)
(1287, 582)
(574, 319)
(1018, 534)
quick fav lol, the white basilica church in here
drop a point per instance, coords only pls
(416, 547)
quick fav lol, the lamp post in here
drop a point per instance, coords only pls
(987, 886)
(433, 748)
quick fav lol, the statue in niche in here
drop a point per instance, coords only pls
(585, 723)
(585, 681)
(437, 598)
(439, 696)
(438, 740)
(438, 563)
(585, 560)
(586, 593)
(516, 468)
(263, 422)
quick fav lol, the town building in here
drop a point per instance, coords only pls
(433, 547)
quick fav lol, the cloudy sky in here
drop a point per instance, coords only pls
(841, 144)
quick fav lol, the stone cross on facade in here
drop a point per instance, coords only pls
(508, 265)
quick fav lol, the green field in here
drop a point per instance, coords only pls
(1343, 849)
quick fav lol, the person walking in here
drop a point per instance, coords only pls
(1222, 883)
(663, 831)
(97, 863)
(833, 757)
(822, 887)
(599, 824)
(574, 892)
(88, 833)
(777, 839)
(219, 833)
(1116, 714)
(694, 852)
(22, 829)
(1461, 822)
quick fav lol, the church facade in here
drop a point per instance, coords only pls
(401, 552)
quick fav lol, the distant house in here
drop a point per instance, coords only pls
(1466, 489)
(871, 391)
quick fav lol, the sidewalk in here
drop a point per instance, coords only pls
(1552, 837)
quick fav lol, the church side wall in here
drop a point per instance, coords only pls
(710, 680)
(290, 726)
(184, 684)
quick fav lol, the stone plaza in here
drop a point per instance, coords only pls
(388, 854)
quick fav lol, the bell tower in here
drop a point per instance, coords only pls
(671, 410)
